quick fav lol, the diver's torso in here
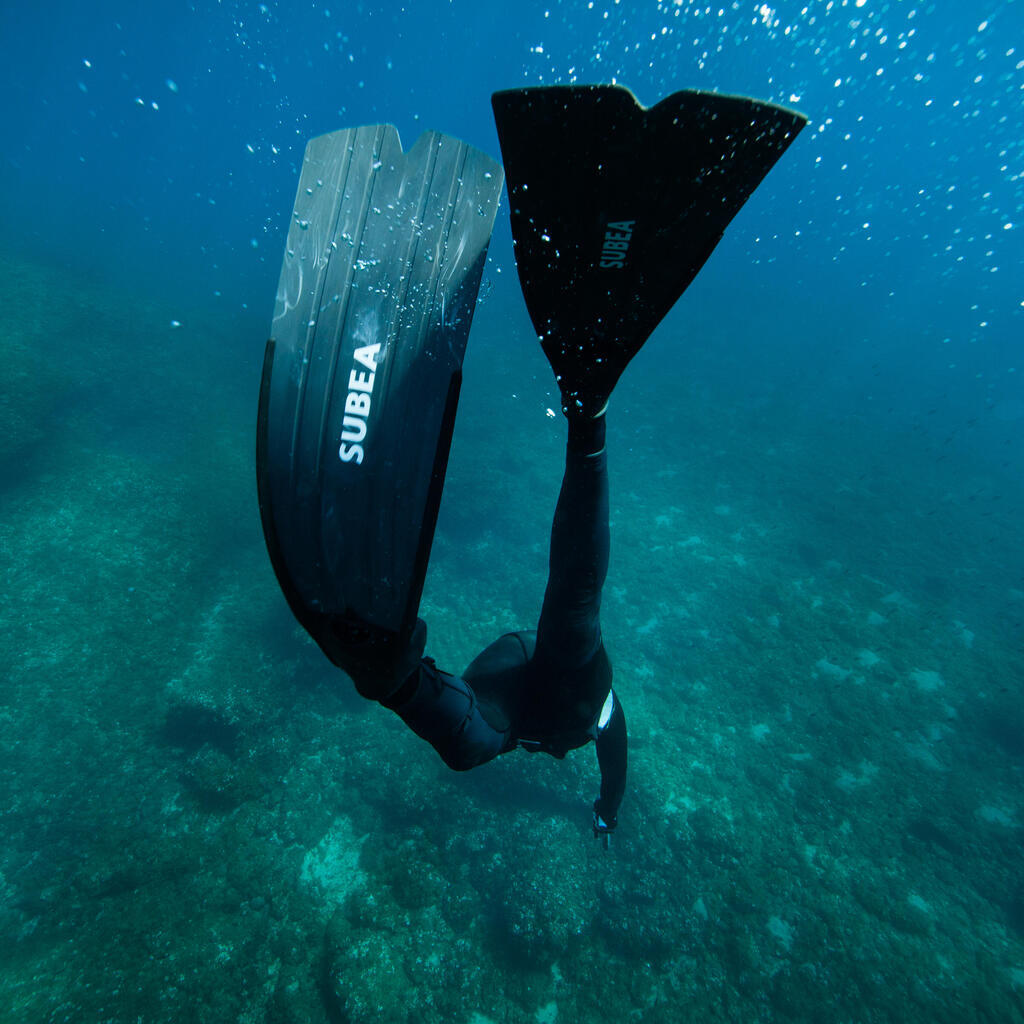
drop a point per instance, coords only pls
(550, 708)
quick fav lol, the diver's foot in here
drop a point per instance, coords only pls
(376, 661)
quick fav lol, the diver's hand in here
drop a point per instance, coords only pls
(602, 828)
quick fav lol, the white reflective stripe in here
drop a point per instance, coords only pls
(606, 711)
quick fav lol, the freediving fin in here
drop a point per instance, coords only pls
(361, 376)
(615, 208)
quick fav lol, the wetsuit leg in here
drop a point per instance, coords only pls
(438, 707)
(443, 710)
(569, 631)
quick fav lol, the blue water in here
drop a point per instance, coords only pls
(816, 599)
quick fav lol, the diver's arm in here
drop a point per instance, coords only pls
(611, 758)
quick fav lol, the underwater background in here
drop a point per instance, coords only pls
(815, 607)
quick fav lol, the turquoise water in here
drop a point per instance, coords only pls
(816, 594)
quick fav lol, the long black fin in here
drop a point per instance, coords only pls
(382, 266)
(615, 208)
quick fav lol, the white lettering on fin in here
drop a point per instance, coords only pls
(357, 404)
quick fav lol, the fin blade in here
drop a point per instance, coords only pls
(378, 285)
(616, 207)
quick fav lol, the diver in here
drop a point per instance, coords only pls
(614, 209)
(548, 690)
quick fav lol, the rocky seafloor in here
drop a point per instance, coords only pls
(199, 820)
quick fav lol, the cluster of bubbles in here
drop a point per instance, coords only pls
(913, 154)
(910, 174)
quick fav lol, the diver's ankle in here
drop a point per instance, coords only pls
(587, 434)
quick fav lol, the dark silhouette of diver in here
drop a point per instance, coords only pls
(548, 690)
(614, 210)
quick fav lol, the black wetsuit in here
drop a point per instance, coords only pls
(551, 690)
